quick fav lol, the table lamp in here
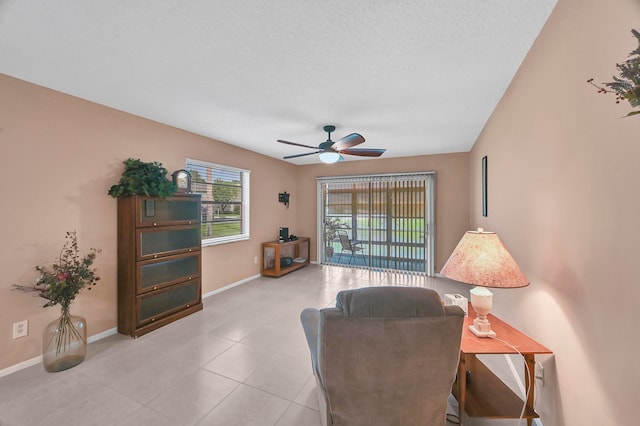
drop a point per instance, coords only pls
(481, 259)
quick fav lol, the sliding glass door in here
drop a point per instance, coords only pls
(382, 222)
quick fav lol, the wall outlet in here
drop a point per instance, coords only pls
(539, 373)
(255, 259)
(20, 329)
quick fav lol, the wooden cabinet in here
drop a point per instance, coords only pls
(159, 261)
(273, 252)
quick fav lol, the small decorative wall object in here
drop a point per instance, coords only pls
(182, 180)
(484, 186)
(283, 198)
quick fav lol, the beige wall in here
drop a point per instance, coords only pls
(452, 192)
(564, 197)
(61, 154)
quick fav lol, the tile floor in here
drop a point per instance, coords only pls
(243, 360)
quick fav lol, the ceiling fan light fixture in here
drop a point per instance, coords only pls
(330, 151)
(329, 157)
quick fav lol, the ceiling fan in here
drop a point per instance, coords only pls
(331, 151)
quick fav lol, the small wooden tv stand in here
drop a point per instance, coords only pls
(274, 250)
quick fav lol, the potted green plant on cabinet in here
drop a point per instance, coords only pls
(139, 177)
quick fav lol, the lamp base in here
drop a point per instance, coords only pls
(481, 300)
(481, 330)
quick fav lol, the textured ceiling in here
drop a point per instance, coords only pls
(414, 77)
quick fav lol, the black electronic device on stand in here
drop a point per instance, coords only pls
(283, 235)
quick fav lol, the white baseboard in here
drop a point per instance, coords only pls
(102, 335)
(24, 364)
(227, 287)
(37, 360)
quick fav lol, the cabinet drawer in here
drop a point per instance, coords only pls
(155, 305)
(158, 273)
(178, 210)
(152, 243)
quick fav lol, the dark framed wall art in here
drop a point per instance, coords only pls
(484, 186)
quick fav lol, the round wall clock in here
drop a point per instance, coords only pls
(182, 179)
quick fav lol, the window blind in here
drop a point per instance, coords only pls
(225, 200)
(391, 215)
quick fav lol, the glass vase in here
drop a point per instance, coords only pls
(64, 342)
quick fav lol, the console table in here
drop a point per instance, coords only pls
(273, 251)
(479, 392)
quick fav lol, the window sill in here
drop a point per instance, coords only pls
(218, 241)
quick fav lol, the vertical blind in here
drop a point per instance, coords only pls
(390, 215)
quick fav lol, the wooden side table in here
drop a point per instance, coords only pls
(479, 392)
(274, 250)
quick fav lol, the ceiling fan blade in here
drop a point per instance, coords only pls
(348, 141)
(298, 144)
(363, 152)
(301, 155)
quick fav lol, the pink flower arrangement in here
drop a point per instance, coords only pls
(71, 273)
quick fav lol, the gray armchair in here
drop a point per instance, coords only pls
(384, 356)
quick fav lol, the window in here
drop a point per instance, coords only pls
(225, 201)
(390, 217)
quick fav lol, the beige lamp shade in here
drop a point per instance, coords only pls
(481, 259)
